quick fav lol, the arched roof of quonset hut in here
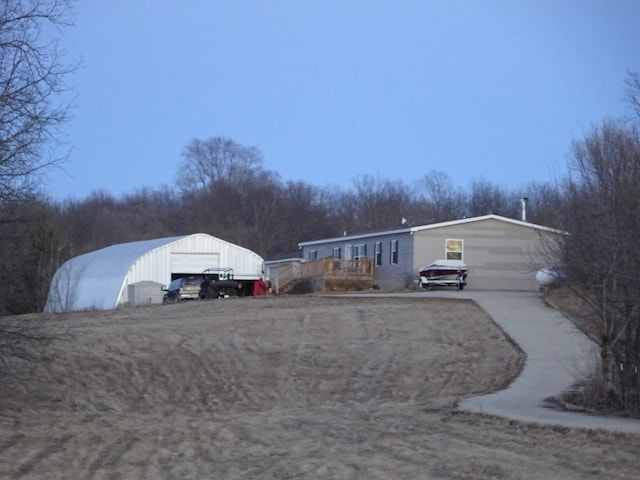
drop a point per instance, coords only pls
(98, 279)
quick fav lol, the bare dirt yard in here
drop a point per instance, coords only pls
(303, 387)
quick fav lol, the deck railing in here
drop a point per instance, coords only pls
(338, 267)
(327, 270)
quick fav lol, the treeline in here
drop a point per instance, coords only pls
(225, 190)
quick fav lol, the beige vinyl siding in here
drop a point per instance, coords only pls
(500, 255)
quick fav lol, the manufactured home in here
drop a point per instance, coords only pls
(500, 253)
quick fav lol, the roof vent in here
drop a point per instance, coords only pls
(523, 205)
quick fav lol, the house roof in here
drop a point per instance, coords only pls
(486, 217)
(429, 227)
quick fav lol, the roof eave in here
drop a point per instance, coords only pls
(412, 230)
(355, 237)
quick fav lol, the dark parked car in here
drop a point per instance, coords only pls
(184, 288)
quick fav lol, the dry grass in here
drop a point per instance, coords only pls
(575, 309)
(289, 387)
(589, 396)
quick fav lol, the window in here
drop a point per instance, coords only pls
(337, 253)
(393, 252)
(359, 251)
(377, 253)
(454, 249)
(313, 254)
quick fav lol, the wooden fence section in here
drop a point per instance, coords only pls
(327, 274)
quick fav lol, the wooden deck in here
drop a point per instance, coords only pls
(327, 274)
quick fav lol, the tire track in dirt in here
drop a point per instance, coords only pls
(229, 361)
(132, 376)
(156, 376)
(288, 354)
(362, 322)
(234, 378)
(109, 455)
(383, 376)
(11, 441)
(201, 372)
(377, 374)
(54, 446)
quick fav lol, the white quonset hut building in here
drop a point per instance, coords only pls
(134, 273)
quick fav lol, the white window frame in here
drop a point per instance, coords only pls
(360, 251)
(377, 254)
(454, 249)
(393, 252)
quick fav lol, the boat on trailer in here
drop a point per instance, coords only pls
(444, 273)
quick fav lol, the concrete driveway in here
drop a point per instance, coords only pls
(558, 355)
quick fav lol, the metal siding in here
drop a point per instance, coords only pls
(156, 265)
(193, 262)
(96, 279)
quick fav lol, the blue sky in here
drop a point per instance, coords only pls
(332, 90)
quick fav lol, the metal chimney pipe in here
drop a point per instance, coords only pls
(523, 204)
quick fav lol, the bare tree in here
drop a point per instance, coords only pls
(31, 79)
(285, 214)
(632, 92)
(217, 159)
(32, 111)
(375, 204)
(545, 204)
(443, 201)
(31, 252)
(24, 228)
(22, 342)
(600, 256)
(94, 222)
(305, 213)
(152, 214)
(487, 198)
